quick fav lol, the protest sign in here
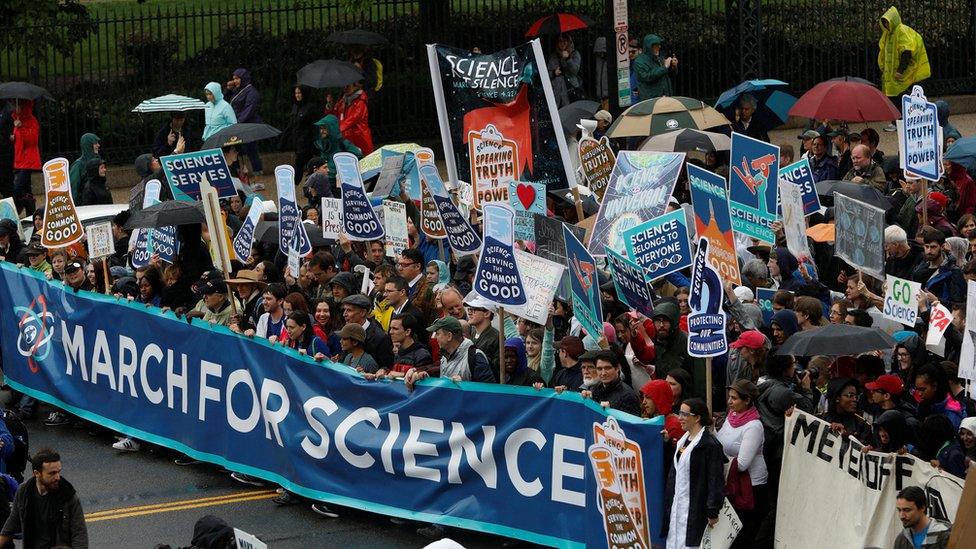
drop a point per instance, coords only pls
(639, 190)
(430, 219)
(461, 237)
(584, 284)
(550, 244)
(764, 299)
(939, 319)
(101, 243)
(710, 202)
(143, 250)
(920, 136)
(294, 252)
(61, 226)
(161, 241)
(541, 279)
(185, 171)
(794, 222)
(596, 163)
(526, 200)
(901, 300)
(753, 183)
(494, 165)
(525, 465)
(725, 530)
(219, 243)
(395, 221)
(359, 221)
(967, 355)
(660, 246)
(389, 175)
(706, 323)
(497, 278)
(245, 236)
(859, 234)
(331, 218)
(632, 288)
(819, 464)
(289, 216)
(248, 541)
(618, 467)
(8, 210)
(510, 91)
(800, 174)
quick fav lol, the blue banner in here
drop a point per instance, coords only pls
(185, 171)
(764, 298)
(706, 323)
(753, 185)
(585, 284)
(461, 237)
(359, 221)
(660, 246)
(507, 460)
(799, 173)
(632, 288)
(498, 279)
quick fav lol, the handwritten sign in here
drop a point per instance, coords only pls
(725, 530)
(596, 163)
(100, 240)
(331, 218)
(901, 300)
(526, 200)
(541, 279)
(939, 319)
(395, 220)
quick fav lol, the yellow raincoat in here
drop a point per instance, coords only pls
(895, 39)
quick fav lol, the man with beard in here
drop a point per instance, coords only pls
(938, 272)
(921, 531)
(46, 509)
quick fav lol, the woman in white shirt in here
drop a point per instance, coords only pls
(742, 437)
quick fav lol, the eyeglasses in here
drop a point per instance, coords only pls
(405, 264)
(849, 395)
(683, 413)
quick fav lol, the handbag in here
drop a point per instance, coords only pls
(738, 487)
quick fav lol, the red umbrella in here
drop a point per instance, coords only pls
(845, 100)
(558, 23)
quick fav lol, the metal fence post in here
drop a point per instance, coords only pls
(744, 30)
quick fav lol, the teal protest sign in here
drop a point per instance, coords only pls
(660, 246)
(184, 172)
(526, 198)
(632, 288)
(753, 185)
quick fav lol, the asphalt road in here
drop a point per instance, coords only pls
(141, 499)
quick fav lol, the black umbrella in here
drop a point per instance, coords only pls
(239, 134)
(836, 340)
(164, 214)
(329, 73)
(23, 90)
(357, 37)
(858, 191)
(267, 232)
(571, 114)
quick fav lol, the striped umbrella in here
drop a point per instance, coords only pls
(665, 114)
(170, 103)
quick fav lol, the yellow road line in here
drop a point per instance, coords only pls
(180, 505)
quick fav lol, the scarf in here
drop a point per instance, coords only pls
(738, 419)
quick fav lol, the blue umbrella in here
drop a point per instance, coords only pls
(963, 152)
(772, 97)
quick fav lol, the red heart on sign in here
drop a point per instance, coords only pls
(526, 195)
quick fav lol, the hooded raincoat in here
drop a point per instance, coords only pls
(218, 114)
(653, 78)
(899, 41)
(79, 168)
(27, 152)
(522, 375)
(353, 114)
(245, 99)
(334, 143)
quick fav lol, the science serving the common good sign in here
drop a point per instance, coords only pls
(477, 456)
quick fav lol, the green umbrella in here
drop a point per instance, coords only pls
(665, 114)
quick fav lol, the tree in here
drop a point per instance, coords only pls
(32, 26)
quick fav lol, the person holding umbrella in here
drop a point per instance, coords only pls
(353, 113)
(654, 73)
(564, 65)
(218, 114)
(744, 122)
(27, 153)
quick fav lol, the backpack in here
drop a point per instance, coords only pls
(17, 461)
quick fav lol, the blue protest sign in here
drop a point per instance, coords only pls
(660, 246)
(185, 171)
(143, 251)
(289, 216)
(632, 288)
(245, 236)
(764, 299)
(483, 457)
(921, 138)
(706, 323)
(753, 184)
(498, 279)
(359, 221)
(526, 198)
(710, 203)
(799, 173)
(163, 242)
(461, 237)
(585, 284)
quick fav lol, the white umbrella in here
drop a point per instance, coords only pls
(170, 103)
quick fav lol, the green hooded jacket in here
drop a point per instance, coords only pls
(896, 39)
(334, 143)
(653, 79)
(79, 167)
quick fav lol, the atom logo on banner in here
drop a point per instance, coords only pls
(36, 330)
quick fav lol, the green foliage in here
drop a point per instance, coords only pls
(33, 26)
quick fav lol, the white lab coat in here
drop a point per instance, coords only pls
(682, 493)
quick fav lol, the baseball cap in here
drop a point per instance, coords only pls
(589, 356)
(358, 300)
(744, 294)
(448, 323)
(752, 339)
(73, 266)
(572, 345)
(36, 249)
(888, 383)
(215, 286)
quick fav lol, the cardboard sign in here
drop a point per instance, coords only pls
(710, 202)
(753, 184)
(541, 279)
(61, 225)
(101, 243)
(967, 355)
(920, 136)
(430, 219)
(395, 221)
(497, 278)
(219, 245)
(901, 300)
(764, 299)
(244, 240)
(800, 174)
(794, 222)
(632, 288)
(660, 246)
(248, 541)
(359, 221)
(859, 234)
(494, 164)
(585, 285)
(184, 172)
(460, 236)
(725, 530)
(331, 218)
(527, 199)
(706, 323)
(596, 163)
(389, 175)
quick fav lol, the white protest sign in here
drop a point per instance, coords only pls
(395, 220)
(389, 174)
(794, 222)
(939, 319)
(331, 217)
(100, 241)
(725, 530)
(901, 300)
(967, 356)
(248, 541)
(540, 278)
